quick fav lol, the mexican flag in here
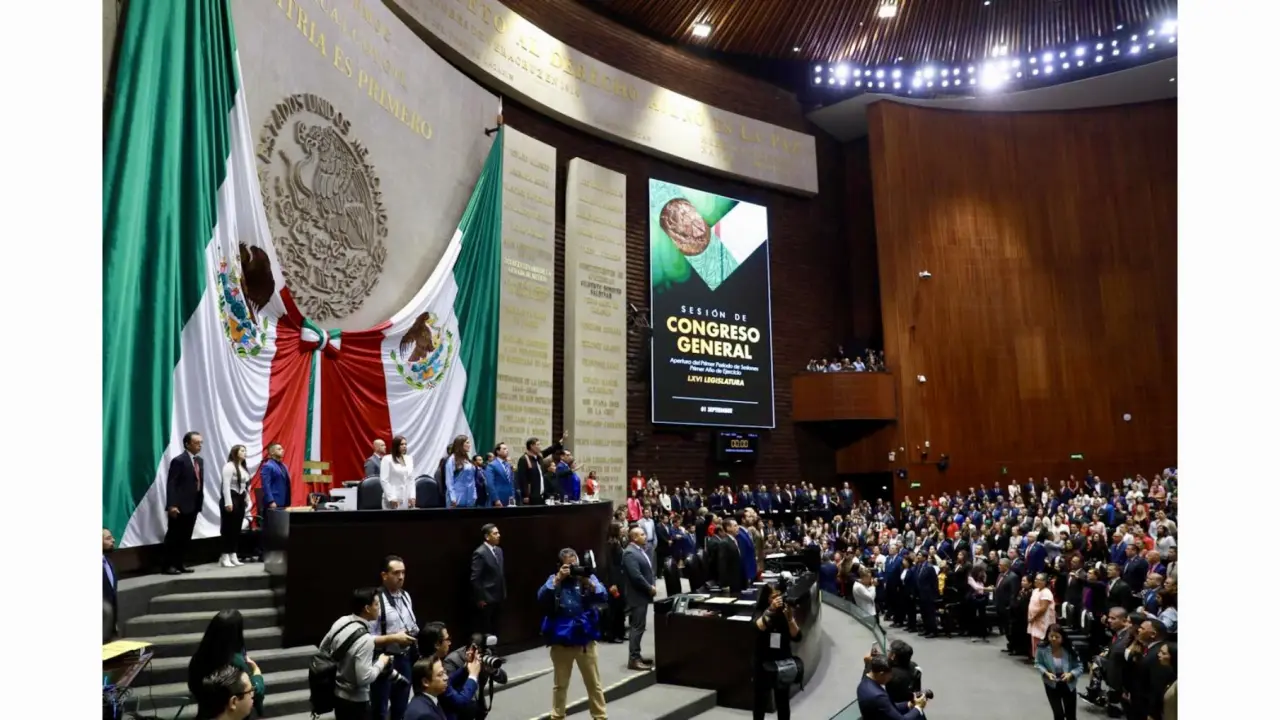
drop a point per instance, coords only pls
(191, 284)
(200, 332)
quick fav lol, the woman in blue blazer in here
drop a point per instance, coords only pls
(1060, 668)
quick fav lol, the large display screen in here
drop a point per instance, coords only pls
(709, 295)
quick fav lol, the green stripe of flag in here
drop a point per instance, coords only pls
(165, 158)
(477, 273)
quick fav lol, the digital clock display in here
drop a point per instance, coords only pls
(736, 446)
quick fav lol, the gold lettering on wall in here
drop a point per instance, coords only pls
(595, 365)
(527, 304)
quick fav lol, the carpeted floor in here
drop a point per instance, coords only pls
(974, 681)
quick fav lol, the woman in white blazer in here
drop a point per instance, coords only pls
(396, 476)
(235, 489)
(864, 592)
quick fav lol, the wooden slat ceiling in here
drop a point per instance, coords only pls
(923, 30)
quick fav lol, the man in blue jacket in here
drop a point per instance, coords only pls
(275, 479)
(501, 489)
(571, 601)
(434, 697)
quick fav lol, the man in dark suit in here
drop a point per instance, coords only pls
(927, 581)
(373, 466)
(184, 498)
(640, 589)
(488, 579)
(725, 556)
(873, 699)
(1006, 589)
(1147, 681)
(1135, 567)
(1118, 591)
(1114, 664)
(110, 591)
(533, 487)
(846, 497)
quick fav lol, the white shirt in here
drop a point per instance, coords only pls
(397, 481)
(865, 598)
(229, 484)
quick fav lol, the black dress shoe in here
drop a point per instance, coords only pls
(170, 571)
(185, 570)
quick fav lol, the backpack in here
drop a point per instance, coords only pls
(322, 675)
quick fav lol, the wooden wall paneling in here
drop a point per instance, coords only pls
(817, 397)
(1051, 238)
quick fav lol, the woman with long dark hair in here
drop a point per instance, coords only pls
(235, 488)
(773, 619)
(396, 476)
(460, 473)
(223, 644)
(1059, 667)
(613, 630)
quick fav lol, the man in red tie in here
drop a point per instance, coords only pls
(184, 499)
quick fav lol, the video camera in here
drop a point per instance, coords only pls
(784, 589)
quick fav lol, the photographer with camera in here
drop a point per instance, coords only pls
(490, 671)
(904, 680)
(571, 600)
(351, 647)
(393, 636)
(459, 697)
(873, 699)
(776, 668)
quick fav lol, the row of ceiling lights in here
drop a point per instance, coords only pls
(994, 74)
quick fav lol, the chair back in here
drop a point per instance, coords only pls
(426, 492)
(369, 496)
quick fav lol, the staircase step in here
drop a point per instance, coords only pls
(291, 704)
(185, 644)
(659, 702)
(218, 580)
(174, 694)
(215, 601)
(163, 671)
(196, 622)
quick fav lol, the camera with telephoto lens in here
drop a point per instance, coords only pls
(579, 571)
(784, 589)
(395, 677)
(488, 660)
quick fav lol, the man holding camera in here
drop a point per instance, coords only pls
(490, 671)
(571, 600)
(393, 635)
(458, 698)
(873, 699)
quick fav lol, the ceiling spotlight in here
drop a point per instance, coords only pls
(1080, 51)
(1048, 69)
(888, 8)
(857, 83)
(1099, 46)
(701, 30)
(899, 59)
(842, 71)
(1079, 63)
(1017, 62)
(955, 71)
(1062, 54)
(795, 49)
(915, 82)
(1133, 38)
(897, 74)
(1048, 57)
(1036, 71)
(1172, 79)
(857, 73)
(945, 83)
(1151, 32)
(944, 72)
(817, 68)
(928, 73)
(1098, 59)
(970, 69)
(881, 84)
(1019, 74)
(831, 81)
(929, 84)
(1151, 46)
(1135, 50)
(973, 81)
(1116, 51)
(1173, 38)
(879, 74)
(1120, 27)
(897, 86)
(1066, 65)
(1032, 61)
(843, 82)
(1169, 27)
(986, 3)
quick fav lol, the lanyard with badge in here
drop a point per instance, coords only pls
(393, 602)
